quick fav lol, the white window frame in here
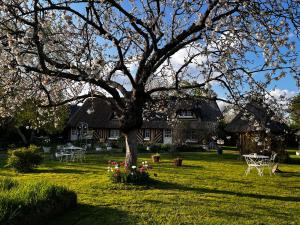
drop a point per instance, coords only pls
(186, 114)
(168, 133)
(147, 134)
(114, 134)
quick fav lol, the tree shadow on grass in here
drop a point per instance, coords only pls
(173, 186)
(94, 215)
(58, 170)
(170, 165)
(288, 174)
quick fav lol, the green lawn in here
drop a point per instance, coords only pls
(206, 190)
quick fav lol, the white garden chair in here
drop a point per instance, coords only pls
(254, 163)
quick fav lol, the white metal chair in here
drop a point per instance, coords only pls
(79, 155)
(253, 163)
(272, 163)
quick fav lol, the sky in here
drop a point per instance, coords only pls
(286, 85)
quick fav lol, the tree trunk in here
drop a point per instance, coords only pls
(131, 148)
(22, 136)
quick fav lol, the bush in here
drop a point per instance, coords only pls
(141, 148)
(165, 147)
(189, 148)
(24, 159)
(30, 204)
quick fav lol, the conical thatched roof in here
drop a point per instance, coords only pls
(242, 124)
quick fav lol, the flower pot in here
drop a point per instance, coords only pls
(155, 158)
(178, 162)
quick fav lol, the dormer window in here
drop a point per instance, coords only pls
(185, 114)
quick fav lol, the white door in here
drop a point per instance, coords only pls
(167, 136)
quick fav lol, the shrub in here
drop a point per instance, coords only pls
(24, 159)
(188, 148)
(141, 148)
(118, 173)
(165, 147)
(31, 203)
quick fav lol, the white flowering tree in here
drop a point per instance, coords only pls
(132, 53)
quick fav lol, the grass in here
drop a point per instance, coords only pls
(30, 203)
(206, 190)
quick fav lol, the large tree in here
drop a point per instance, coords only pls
(133, 53)
(294, 108)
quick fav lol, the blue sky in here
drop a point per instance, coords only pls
(288, 83)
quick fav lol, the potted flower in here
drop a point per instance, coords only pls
(178, 161)
(156, 158)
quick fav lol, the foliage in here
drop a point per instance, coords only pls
(30, 203)
(24, 159)
(295, 111)
(119, 173)
(121, 143)
(154, 147)
(156, 155)
(51, 120)
(55, 51)
(141, 148)
(189, 148)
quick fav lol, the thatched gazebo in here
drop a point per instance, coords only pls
(258, 131)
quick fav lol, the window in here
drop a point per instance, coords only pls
(191, 136)
(185, 114)
(147, 134)
(114, 134)
(168, 133)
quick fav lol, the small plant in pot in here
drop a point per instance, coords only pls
(156, 158)
(178, 161)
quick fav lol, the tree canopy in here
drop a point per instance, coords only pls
(129, 52)
(295, 111)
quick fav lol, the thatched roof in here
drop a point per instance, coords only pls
(103, 116)
(242, 124)
(204, 109)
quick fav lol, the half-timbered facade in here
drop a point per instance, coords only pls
(198, 119)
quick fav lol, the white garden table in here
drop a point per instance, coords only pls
(256, 161)
(71, 153)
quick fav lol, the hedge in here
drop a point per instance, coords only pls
(32, 203)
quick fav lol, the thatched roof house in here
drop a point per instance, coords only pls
(201, 114)
(257, 129)
(256, 112)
